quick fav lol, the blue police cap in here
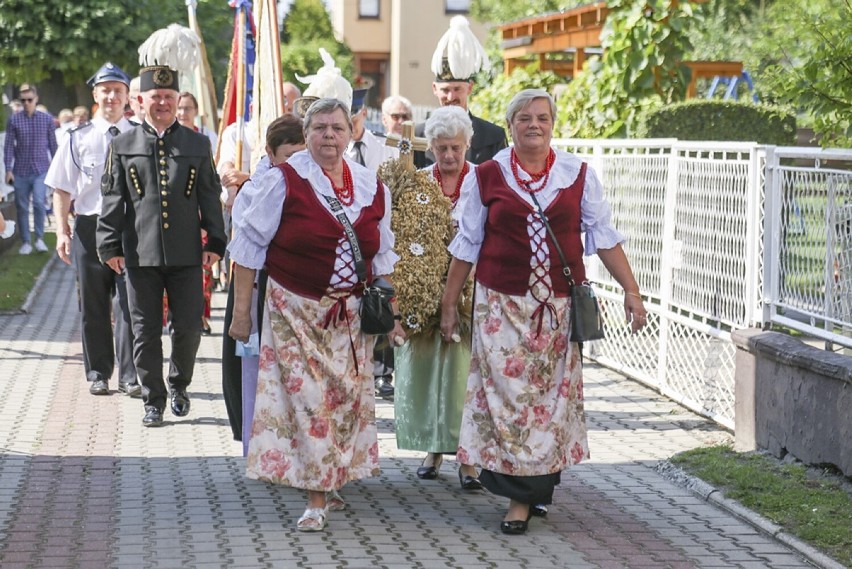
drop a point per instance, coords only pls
(358, 99)
(109, 72)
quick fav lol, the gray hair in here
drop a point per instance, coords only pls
(524, 98)
(393, 99)
(325, 106)
(448, 122)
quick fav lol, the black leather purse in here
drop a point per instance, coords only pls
(375, 310)
(586, 319)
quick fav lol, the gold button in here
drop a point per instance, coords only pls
(165, 214)
(165, 226)
(187, 193)
(162, 152)
(164, 193)
(165, 204)
(163, 182)
(162, 161)
(162, 172)
(161, 142)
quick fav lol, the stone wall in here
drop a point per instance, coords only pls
(793, 398)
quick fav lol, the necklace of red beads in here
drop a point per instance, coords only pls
(539, 178)
(454, 197)
(345, 194)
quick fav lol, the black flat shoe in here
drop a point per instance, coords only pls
(539, 510)
(430, 472)
(469, 482)
(180, 402)
(516, 527)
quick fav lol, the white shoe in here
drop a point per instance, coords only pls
(25, 249)
(40, 246)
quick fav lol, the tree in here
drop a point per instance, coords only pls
(503, 11)
(644, 43)
(73, 38)
(307, 28)
(812, 67)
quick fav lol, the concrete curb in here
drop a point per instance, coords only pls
(39, 283)
(716, 497)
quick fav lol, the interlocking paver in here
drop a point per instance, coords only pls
(83, 484)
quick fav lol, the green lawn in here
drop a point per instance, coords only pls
(807, 503)
(18, 273)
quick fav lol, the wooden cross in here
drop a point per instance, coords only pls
(407, 144)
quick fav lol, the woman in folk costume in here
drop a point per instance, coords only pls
(523, 419)
(431, 376)
(314, 418)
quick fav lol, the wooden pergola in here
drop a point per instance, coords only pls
(567, 37)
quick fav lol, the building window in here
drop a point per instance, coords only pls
(368, 9)
(457, 6)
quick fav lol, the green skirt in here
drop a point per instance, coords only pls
(431, 383)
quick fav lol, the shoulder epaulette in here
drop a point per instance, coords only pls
(80, 127)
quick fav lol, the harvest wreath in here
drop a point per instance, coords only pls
(423, 228)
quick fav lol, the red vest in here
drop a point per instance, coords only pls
(302, 253)
(504, 259)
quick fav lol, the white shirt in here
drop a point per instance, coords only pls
(79, 163)
(595, 220)
(257, 213)
(374, 150)
(228, 151)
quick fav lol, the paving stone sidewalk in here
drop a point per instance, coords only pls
(84, 485)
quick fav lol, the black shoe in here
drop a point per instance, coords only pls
(384, 388)
(469, 482)
(131, 389)
(99, 387)
(430, 472)
(180, 402)
(539, 510)
(516, 527)
(153, 417)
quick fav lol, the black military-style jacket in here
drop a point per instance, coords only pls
(488, 139)
(158, 193)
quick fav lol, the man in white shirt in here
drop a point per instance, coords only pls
(75, 174)
(365, 147)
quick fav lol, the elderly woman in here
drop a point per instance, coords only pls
(431, 377)
(523, 420)
(314, 418)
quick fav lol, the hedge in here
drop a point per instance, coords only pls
(713, 119)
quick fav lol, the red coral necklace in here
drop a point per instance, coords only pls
(345, 194)
(539, 178)
(454, 197)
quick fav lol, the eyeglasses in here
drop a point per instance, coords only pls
(27, 100)
(400, 116)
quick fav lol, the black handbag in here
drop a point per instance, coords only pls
(375, 310)
(586, 319)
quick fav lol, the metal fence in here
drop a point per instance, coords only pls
(722, 236)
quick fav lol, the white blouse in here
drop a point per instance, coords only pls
(257, 213)
(595, 223)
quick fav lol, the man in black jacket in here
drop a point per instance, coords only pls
(458, 57)
(160, 189)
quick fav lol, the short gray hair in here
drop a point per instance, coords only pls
(325, 106)
(448, 122)
(525, 97)
(393, 99)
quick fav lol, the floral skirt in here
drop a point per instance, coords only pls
(523, 413)
(314, 416)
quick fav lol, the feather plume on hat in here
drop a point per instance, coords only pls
(175, 46)
(328, 81)
(459, 50)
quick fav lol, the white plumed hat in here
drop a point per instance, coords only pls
(175, 47)
(459, 54)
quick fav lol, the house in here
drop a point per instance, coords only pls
(393, 42)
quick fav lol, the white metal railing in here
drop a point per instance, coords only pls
(710, 259)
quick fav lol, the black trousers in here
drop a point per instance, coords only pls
(524, 489)
(145, 287)
(103, 296)
(383, 358)
(232, 365)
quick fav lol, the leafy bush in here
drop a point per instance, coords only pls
(702, 119)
